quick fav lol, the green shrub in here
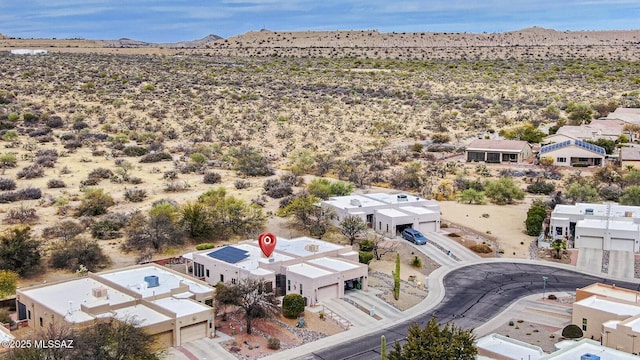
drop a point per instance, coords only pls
(366, 245)
(292, 305)
(205, 246)
(417, 262)
(572, 331)
(365, 257)
(273, 343)
(134, 151)
(155, 157)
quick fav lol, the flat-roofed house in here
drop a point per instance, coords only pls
(597, 226)
(386, 213)
(498, 151)
(169, 305)
(630, 157)
(574, 153)
(313, 268)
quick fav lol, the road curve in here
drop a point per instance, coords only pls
(474, 294)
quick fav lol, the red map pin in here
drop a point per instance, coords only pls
(267, 242)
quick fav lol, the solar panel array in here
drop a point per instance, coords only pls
(229, 254)
(555, 146)
(591, 147)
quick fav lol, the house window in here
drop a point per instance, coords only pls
(233, 281)
(379, 225)
(559, 230)
(288, 285)
(207, 272)
(561, 160)
(221, 278)
(29, 314)
(300, 289)
(583, 160)
(41, 321)
(584, 324)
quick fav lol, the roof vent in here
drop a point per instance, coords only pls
(152, 281)
(402, 197)
(588, 211)
(355, 202)
(589, 357)
(99, 292)
(312, 248)
(628, 214)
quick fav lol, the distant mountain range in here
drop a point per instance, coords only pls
(129, 43)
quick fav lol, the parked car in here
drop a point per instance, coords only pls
(414, 236)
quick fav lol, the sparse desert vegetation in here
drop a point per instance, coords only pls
(205, 144)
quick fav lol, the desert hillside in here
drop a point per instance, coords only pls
(531, 43)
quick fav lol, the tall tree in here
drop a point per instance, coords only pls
(251, 296)
(471, 196)
(8, 283)
(578, 192)
(436, 342)
(115, 340)
(352, 227)
(503, 191)
(631, 196)
(19, 251)
(535, 217)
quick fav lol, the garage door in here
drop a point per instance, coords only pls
(592, 242)
(429, 226)
(622, 244)
(164, 339)
(328, 292)
(193, 332)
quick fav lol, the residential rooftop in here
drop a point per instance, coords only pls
(181, 307)
(392, 213)
(612, 291)
(630, 153)
(588, 346)
(611, 307)
(142, 315)
(417, 210)
(504, 145)
(353, 201)
(65, 298)
(513, 348)
(308, 270)
(305, 246)
(608, 224)
(333, 264)
(616, 210)
(134, 280)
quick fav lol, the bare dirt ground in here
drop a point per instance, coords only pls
(535, 333)
(412, 278)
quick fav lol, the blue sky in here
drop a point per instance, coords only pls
(170, 21)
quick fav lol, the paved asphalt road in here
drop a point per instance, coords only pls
(473, 295)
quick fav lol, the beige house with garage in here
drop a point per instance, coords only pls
(386, 213)
(597, 226)
(172, 307)
(498, 151)
(609, 314)
(313, 268)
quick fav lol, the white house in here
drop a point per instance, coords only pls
(387, 213)
(28, 52)
(574, 152)
(167, 304)
(600, 226)
(313, 268)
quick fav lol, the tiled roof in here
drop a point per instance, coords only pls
(512, 145)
